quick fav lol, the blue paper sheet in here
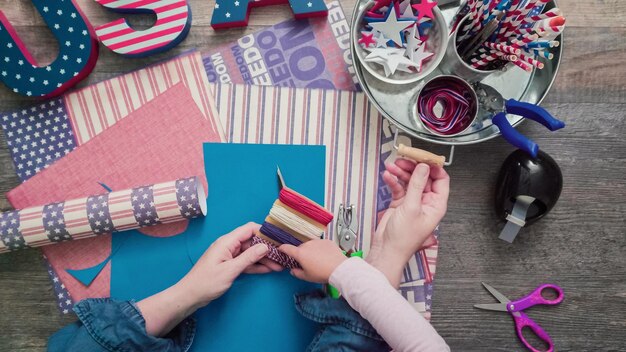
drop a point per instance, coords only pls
(258, 312)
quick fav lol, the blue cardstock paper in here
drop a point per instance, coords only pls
(258, 312)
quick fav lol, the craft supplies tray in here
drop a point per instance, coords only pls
(398, 102)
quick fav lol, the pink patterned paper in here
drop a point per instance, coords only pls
(161, 141)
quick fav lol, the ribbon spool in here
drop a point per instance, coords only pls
(447, 105)
(293, 219)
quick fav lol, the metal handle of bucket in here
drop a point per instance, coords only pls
(420, 155)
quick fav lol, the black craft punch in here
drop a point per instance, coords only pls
(526, 190)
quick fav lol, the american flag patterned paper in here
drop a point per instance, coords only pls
(40, 135)
(102, 214)
(82, 172)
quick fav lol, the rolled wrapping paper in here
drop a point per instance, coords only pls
(101, 214)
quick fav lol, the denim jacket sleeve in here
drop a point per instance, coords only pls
(342, 328)
(109, 325)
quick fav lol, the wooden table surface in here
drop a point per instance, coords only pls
(580, 245)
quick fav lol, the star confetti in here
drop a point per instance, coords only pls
(419, 56)
(425, 9)
(395, 35)
(367, 39)
(392, 27)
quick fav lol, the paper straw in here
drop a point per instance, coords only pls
(523, 40)
(503, 47)
(487, 60)
(102, 214)
(524, 66)
(486, 55)
(543, 44)
(550, 22)
(538, 64)
(472, 14)
(523, 12)
(541, 53)
(510, 57)
(549, 14)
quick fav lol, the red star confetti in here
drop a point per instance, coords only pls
(425, 9)
(367, 39)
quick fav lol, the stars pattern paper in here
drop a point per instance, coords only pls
(188, 202)
(62, 295)
(10, 231)
(145, 212)
(37, 136)
(54, 222)
(98, 214)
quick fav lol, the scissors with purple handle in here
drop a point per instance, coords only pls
(515, 308)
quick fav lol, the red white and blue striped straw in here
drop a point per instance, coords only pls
(503, 48)
(538, 64)
(549, 14)
(472, 14)
(486, 60)
(523, 40)
(524, 66)
(540, 53)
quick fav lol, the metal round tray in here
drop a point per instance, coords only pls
(398, 102)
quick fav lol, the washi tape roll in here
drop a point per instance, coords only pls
(101, 214)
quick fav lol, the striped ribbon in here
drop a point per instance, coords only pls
(457, 105)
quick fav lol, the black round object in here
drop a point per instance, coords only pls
(523, 175)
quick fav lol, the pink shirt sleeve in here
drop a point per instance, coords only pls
(368, 292)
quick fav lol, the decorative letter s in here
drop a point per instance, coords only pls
(171, 27)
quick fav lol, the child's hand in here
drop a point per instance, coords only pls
(213, 274)
(419, 202)
(318, 259)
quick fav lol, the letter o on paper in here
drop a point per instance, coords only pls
(306, 63)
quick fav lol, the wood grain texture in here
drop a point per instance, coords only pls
(580, 245)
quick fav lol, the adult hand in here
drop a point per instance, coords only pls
(419, 201)
(228, 257)
(318, 259)
(213, 274)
